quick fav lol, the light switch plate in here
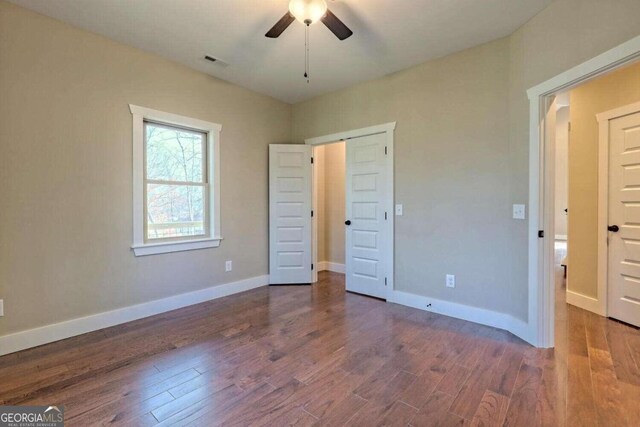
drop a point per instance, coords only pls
(1, 307)
(399, 210)
(519, 212)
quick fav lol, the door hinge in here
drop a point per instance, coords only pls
(385, 281)
(385, 216)
(311, 214)
(311, 267)
(312, 160)
(541, 234)
(385, 149)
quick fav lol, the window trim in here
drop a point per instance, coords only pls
(140, 246)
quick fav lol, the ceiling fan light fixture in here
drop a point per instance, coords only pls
(308, 11)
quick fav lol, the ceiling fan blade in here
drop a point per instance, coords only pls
(280, 26)
(336, 26)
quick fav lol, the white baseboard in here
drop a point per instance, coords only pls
(504, 321)
(331, 266)
(58, 331)
(585, 302)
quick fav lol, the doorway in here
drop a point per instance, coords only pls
(367, 218)
(359, 217)
(542, 189)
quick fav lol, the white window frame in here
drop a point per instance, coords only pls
(140, 246)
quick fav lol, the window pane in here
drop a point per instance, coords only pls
(175, 211)
(174, 154)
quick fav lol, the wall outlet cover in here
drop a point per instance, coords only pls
(228, 266)
(451, 281)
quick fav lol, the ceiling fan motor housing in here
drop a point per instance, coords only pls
(308, 11)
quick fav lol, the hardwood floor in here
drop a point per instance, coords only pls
(319, 356)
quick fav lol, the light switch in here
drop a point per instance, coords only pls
(519, 212)
(398, 210)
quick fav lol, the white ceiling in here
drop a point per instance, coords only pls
(389, 35)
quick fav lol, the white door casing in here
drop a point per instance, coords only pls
(289, 214)
(539, 328)
(624, 212)
(366, 193)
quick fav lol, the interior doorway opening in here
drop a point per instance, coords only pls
(353, 193)
(581, 253)
(329, 212)
(561, 107)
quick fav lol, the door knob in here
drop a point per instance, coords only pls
(613, 228)
(347, 222)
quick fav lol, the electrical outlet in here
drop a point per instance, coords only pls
(398, 210)
(1, 307)
(228, 266)
(519, 212)
(451, 281)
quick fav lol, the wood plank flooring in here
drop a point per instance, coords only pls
(316, 355)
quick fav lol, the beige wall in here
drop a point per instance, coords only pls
(330, 170)
(319, 162)
(66, 166)
(614, 90)
(562, 170)
(459, 164)
(447, 214)
(334, 203)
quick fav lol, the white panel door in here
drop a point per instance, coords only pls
(365, 215)
(289, 214)
(624, 213)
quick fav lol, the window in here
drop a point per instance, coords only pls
(176, 183)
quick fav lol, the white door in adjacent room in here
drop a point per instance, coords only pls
(366, 215)
(289, 214)
(624, 219)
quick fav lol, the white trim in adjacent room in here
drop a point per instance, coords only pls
(586, 302)
(212, 130)
(331, 266)
(541, 319)
(58, 331)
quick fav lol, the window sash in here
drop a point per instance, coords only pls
(203, 142)
(205, 184)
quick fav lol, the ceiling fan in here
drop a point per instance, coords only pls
(309, 12)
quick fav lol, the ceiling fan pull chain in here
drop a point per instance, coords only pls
(306, 53)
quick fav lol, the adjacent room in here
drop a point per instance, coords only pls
(320, 212)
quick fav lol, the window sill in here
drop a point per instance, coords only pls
(167, 247)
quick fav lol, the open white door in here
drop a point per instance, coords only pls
(624, 217)
(366, 221)
(289, 214)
